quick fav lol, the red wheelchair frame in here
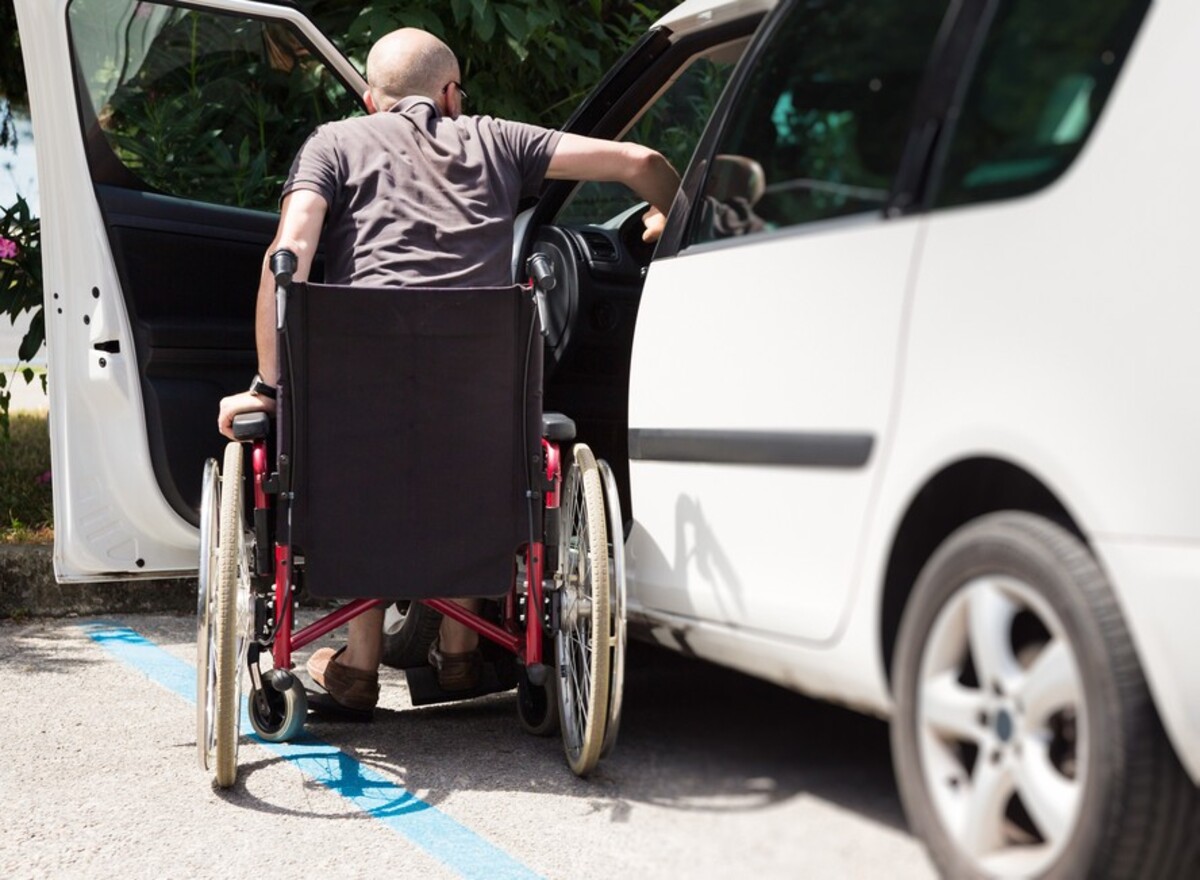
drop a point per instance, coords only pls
(570, 589)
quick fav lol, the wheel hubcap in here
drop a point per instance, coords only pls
(1000, 726)
(1004, 726)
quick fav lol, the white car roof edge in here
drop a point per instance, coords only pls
(693, 15)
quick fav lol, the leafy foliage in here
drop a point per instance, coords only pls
(220, 104)
(530, 60)
(12, 73)
(21, 291)
(216, 109)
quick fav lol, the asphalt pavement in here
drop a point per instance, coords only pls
(715, 775)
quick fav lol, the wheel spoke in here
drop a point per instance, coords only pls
(990, 616)
(1050, 798)
(951, 709)
(1050, 684)
(983, 819)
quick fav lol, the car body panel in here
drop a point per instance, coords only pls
(720, 541)
(1085, 373)
(1048, 372)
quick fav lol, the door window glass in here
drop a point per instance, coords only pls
(819, 125)
(195, 103)
(672, 124)
(1045, 72)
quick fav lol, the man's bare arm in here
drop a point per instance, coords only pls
(300, 219)
(643, 170)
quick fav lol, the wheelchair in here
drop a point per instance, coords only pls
(409, 459)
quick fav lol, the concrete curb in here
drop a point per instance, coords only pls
(28, 589)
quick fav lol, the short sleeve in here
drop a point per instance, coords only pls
(531, 147)
(315, 166)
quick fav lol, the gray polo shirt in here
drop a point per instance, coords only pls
(417, 198)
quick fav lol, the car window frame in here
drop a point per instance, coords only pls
(965, 78)
(956, 35)
(105, 166)
(629, 87)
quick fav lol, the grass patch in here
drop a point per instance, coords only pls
(26, 507)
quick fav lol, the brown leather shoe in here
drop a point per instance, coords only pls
(456, 672)
(352, 688)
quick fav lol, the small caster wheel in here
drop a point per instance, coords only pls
(277, 716)
(537, 705)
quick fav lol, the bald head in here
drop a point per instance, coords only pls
(409, 62)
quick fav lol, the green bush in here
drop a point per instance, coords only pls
(25, 503)
(220, 107)
(530, 60)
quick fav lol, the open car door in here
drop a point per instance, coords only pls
(164, 131)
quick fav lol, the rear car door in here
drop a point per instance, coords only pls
(768, 343)
(164, 131)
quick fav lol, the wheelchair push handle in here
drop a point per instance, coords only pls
(541, 270)
(283, 266)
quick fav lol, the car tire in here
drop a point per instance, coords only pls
(407, 645)
(1025, 740)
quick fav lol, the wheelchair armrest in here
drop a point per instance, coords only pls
(556, 426)
(251, 426)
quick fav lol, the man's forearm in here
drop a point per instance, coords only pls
(651, 176)
(264, 326)
(643, 170)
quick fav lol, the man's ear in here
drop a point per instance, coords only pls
(369, 102)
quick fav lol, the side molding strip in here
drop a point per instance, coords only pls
(778, 448)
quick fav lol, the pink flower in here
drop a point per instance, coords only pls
(42, 479)
(8, 249)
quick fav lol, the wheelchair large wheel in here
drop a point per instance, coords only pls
(206, 613)
(616, 606)
(225, 618)
(583, 641)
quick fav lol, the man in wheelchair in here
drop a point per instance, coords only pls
(417, 194)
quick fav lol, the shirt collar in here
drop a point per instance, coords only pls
(410, 104)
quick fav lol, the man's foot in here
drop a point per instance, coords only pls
(456, 672)
(352, 689)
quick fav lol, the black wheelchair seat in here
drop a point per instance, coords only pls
(414, 425)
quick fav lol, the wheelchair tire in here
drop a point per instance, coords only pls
(206, 614)
(277, 716)
(616, 606)
(583, 641)
(232, 619)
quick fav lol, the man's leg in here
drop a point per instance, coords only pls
(364, 645)
(453, 637)
(351, 674)
(454, 656)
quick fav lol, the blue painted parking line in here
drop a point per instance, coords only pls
(452, 844)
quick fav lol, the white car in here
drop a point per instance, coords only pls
(904, 408)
